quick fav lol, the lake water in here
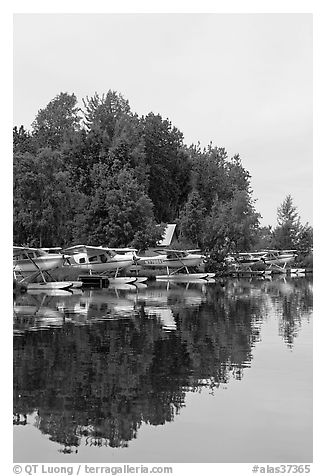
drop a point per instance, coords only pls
(165, 373)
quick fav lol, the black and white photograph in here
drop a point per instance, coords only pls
(162, 241)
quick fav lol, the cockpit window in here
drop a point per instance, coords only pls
(82, 260)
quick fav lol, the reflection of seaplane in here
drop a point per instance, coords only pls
(165, 300)
(31, 263)
(178, 260)
(93, 305)
(32, 312)
(100, 260)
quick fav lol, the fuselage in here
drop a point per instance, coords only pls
(101, 262)
(172, 260)
(29, 260)
(245, 259)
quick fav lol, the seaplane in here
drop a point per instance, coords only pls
(30, 264)
(273, 260)
(245, 260)
(102, 260)
(278, 259)
(177, 264)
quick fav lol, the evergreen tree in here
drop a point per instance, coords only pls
(286, 233)
(57, 121)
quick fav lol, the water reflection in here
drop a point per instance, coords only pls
(92, 367)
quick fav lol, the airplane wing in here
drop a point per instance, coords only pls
(23, 250)
(122, 250)
(83, 249)
(49, 250)
(75, 249)
(27, 248)
(178, 254)
(89, 250)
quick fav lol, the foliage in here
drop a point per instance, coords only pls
(57, 121)
(118, 212)
(102, 175)
(231, 226)
(103, 112)
(23, 141)
(169, 167)
(192, 219)
(43, 199)
(291, 234)
(214, 176)
(264, 238)
(288, 229)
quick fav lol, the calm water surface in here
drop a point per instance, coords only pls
(165, 373)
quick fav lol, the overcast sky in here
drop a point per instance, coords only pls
(242, 81)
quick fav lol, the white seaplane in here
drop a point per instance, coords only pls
(32, 263)
(245, 260)
(278, 259)
(102, 260)
(177, 260)
(273, 260)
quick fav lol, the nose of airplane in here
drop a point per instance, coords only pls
(66, 259)
(128, 258)
(199, 257)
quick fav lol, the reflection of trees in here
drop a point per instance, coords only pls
(220, 337)
(292, 300)
(100, 382)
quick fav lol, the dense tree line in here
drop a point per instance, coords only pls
(101, 174)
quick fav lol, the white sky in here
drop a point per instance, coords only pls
(242, 81)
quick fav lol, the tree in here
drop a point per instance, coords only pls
(168, 166)
(23, 141)
(286, 234)
(103, 112)
(304, 246)
(44, 199)
(214, 175)
(264, 238)
(118, 213)
(231, 226)
(57, 121)
(112, 136)
(192, 219)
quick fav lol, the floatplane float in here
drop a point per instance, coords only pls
(30, 264)
(100, 261)
(177, 264)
